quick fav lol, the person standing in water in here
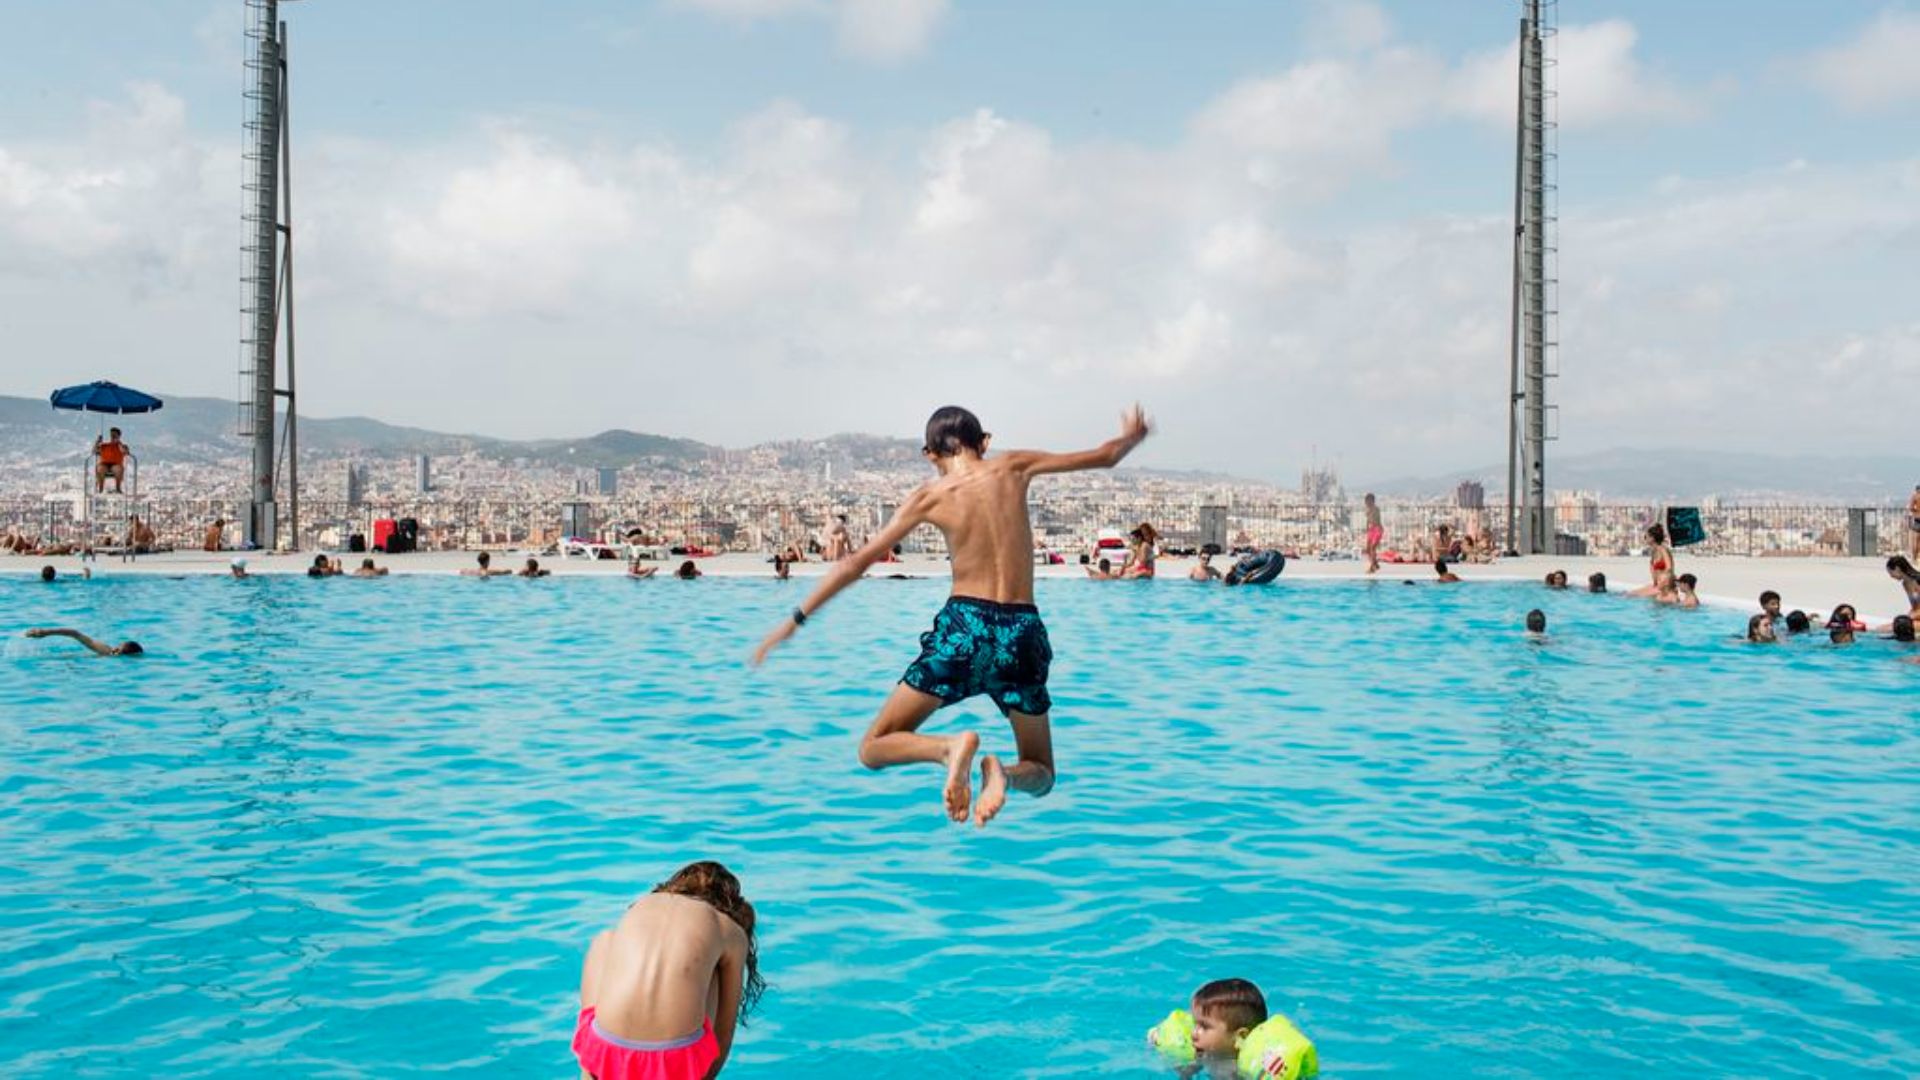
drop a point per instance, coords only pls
(988, 639)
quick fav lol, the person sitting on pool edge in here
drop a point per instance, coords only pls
(662, 992)
(1445, 576)
(1596, 582)
(125, 648)
(532, 569)
(483, 568)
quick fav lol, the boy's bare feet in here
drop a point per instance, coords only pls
(993, 790)
(959, 791)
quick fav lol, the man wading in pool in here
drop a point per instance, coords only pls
(988, 639)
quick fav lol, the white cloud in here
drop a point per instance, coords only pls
(888, 31)
(1876, 68)
(520, 232)
(881, 31)
(1599, 78)
(802, 276)
(1346, 26)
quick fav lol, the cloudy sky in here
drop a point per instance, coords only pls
(1285, 227)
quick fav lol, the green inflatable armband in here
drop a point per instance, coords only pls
(1276, 1051)
(1173, 1038)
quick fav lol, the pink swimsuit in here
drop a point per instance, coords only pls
(608, 1057)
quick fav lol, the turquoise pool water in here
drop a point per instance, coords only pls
(366, 828)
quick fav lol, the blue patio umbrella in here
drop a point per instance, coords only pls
(105, 397)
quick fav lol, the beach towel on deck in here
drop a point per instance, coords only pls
(1683, 526)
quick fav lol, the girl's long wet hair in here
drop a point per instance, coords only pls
(715, 885)
(1905, 569)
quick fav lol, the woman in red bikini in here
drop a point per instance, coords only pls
(662, 991)
(1659, 561)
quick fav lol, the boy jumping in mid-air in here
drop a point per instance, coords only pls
(988, 639)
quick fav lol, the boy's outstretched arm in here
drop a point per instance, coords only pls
(911, 515)
(1133, 430)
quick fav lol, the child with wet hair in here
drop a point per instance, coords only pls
(661, 993)
(1229, 1033)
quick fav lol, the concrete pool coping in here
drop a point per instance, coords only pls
(1729, 582)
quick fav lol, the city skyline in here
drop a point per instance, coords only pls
(1281, 227)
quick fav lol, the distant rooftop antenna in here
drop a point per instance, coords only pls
(1534, 352)
(266, 274)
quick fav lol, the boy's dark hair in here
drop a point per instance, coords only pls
(1797, 622)
(1769, 595)
(1689, 581)
(1236, 1003)
(1537, 621)
(1596, 582)
(131, 648)
(687, 570)
(952, 429)
(714, 885)
(366, 564)
(1106, 565)
(1903, 628)
(48, 573)
(1439, 566)
(485, 559)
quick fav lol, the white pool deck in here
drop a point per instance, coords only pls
(1812, 584)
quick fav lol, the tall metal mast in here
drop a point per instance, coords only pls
(1536, 285)
(265, 267)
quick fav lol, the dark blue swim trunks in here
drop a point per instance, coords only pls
(983, 647)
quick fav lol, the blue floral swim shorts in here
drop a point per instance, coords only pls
(984, 647)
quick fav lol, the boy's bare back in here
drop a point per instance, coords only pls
(664, 971)
(980, 505)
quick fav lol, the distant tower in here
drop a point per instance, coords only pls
(422, 474)
(609, 480)
(1534, 352)
(1470, 495)
(266, 275)
(356, 484)
(826, 472)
